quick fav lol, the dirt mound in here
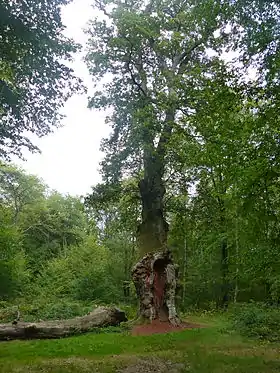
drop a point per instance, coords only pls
(160, 327)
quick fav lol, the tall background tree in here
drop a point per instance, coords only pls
(35, 79)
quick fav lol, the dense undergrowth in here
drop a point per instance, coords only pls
(257, 320)
(52, 310)
(253, 320)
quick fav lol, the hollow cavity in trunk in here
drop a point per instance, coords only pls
(155, 279)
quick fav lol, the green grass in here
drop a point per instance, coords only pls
(204, 350)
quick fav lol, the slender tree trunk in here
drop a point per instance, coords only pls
(224, 299)
(236, 289)
(224, 270)
(126, 289)
(184, 270)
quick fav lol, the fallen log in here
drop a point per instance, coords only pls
(100, 317)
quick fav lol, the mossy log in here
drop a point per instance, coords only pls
(100, 317)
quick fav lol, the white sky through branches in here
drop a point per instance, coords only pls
(70, 156)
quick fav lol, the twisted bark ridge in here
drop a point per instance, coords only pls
(155, 279)
(100, 317)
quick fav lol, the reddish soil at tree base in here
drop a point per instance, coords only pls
(160, 327)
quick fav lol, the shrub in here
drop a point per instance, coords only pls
(55, 310)
(82, 275)
(257, 321)
(63, 309)
(14, 275)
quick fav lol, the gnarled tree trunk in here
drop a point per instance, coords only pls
(155, 279)
(100, 317)
(155, 276)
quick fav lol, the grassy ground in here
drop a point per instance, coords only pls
(204, 350)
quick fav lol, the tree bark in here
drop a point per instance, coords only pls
(225, 273)
(100, 317)
(152, 232)
(184, 270)
(155, 278)
(236, 289)
(225, 287)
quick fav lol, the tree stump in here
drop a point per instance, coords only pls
(155, 279)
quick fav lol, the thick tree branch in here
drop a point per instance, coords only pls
(182, 60)
(102, 7)
(166, 133)
(139, 85)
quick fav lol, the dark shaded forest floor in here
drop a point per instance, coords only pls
(202, 350)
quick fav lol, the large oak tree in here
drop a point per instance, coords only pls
(156, 55)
